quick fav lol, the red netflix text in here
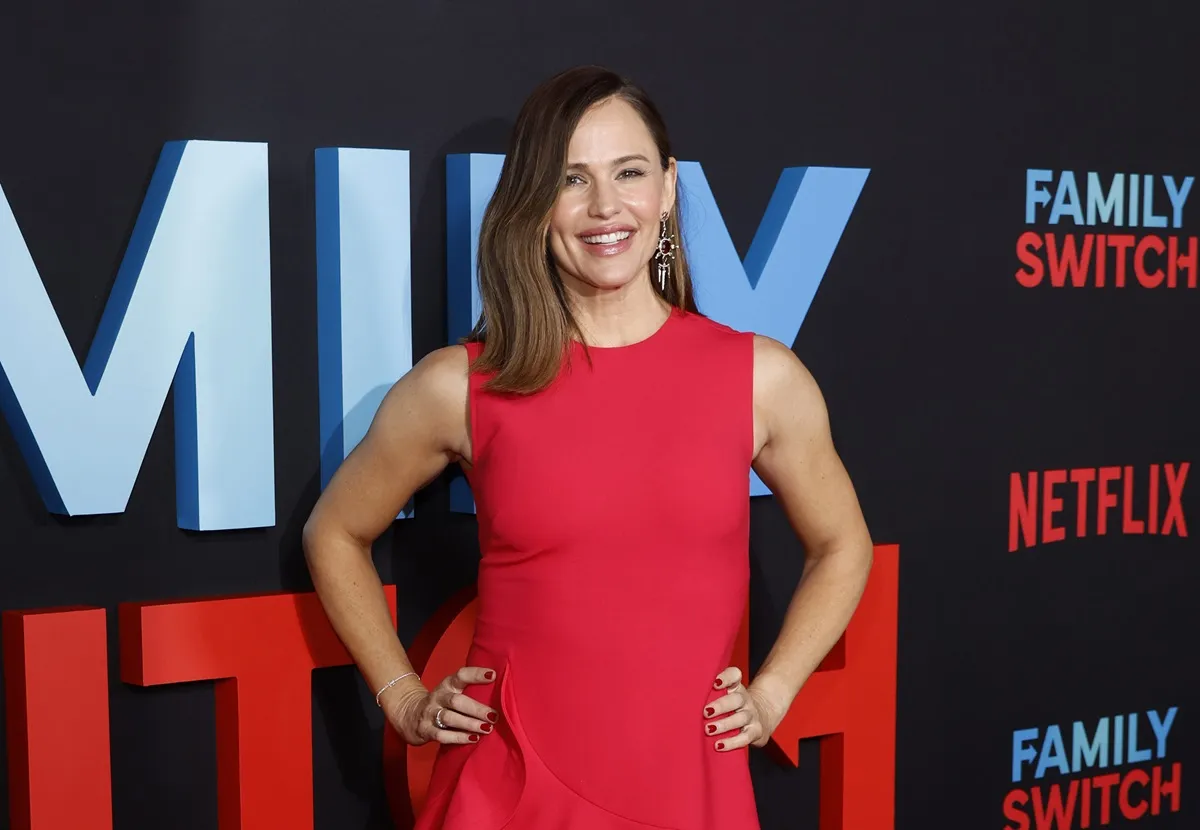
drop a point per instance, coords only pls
(1096, 800)
(1128, 500)
(261, 650)
(1097, 260)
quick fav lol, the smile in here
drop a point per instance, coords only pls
(607, 238)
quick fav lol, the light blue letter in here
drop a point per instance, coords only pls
(1161, 729)
(1136, 756)
(1112, 203)
(191, 305)
(770, 293)
(470, 181)
(1093, 753)
(1149, 218)
(1053, 753)
(1178, 196)
(1021, 750)
(1066, 199)
(364, 291)
(1035, 195)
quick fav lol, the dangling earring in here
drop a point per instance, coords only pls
(664, 254)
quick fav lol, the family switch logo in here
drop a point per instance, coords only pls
(1066, 778)
(1125, 231)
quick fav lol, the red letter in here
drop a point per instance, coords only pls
(1107, 500)
(1152, 510)
(1130, 812)
(1148, 280)
(1176, 261)
(1026, 244)
(56, 674)
(1105, 783)
(1121, 243)
(1076, 264)
(1014, 800)
(1129, 525)
(1158, 789)
(1082, 478)
(849, 702)
(1085, 804)
(1055, 813)
(1022, 510)
(440, 649)
(261, 651)
(1051, 505)
(1174, 515)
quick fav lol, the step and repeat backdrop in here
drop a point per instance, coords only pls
(227, 227)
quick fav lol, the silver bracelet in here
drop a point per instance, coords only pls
(389, 685)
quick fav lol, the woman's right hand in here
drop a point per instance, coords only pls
(414, 713)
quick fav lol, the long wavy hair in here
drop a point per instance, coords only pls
(527, 325)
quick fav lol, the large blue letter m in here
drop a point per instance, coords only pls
(191, 306)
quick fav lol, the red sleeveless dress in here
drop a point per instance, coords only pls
(613, 511)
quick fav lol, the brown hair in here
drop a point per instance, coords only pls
(526, 324)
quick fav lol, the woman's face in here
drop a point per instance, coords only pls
(605, 224)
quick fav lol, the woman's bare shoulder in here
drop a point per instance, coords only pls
(437, 384)
(444, 369)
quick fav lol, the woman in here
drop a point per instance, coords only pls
(607, 430)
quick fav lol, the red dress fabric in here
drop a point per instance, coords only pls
(613, 511)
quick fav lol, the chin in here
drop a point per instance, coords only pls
(609, 281)
(615, 273)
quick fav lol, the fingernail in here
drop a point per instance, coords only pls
(710, 711)
(492, 716)
(487, 727)
(720, 746)
(711, 729)
(489, 675)
(473, 738)
(717, 684)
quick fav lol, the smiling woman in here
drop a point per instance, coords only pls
(607, 430)
(585, 197)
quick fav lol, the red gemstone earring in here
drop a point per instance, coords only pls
(664, 254)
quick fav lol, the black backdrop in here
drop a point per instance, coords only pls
(943, 375)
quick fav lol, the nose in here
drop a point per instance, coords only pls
(604, 202)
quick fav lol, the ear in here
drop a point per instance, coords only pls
(670, 176)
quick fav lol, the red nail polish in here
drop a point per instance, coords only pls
(489, 675)
(473, 738)
(487, 727)
(710, 711)
(720, 746)
(492, 716)
(717, 683)
(711, 729)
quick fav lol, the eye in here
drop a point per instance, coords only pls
(572, 179)
(631, 173)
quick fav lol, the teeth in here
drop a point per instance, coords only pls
(606, 238)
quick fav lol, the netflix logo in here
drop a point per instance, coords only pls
(1050, 505)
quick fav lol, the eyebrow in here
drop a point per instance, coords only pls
(615, 162)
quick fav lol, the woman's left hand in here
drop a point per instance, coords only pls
(744, 712)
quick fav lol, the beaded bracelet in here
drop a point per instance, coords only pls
(389, 685)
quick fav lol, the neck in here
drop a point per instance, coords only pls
(620, 316)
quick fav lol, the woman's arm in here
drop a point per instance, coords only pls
(797, 460)
(420, 428)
